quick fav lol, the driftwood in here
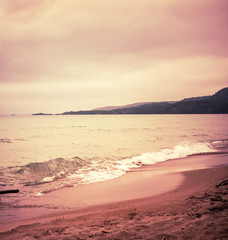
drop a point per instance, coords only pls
(9, 191)
(223, 183)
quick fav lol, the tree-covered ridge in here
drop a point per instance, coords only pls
(215, 104)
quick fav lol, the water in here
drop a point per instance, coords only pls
(42, 153)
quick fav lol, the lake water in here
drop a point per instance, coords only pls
(39, 154)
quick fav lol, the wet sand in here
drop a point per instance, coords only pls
(174, 203)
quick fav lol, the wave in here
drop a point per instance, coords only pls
(179, 151)
(220, 144)
(48, 171)
(104, 170)
(57, 173)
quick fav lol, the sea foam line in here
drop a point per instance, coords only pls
(85, 172)
(179, 151)
(109, 170)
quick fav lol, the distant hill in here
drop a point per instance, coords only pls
(37, 114)
(118, 107)
(127, 106)
(196, 99)
(221, 95)
(215, 104)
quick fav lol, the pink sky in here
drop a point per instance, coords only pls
(60, 55)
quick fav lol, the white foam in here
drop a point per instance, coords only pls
(179, 151)
(48, 179)
(38, 194)
(104, 170)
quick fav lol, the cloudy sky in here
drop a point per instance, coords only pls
(63, 55)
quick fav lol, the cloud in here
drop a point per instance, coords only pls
(127, 45)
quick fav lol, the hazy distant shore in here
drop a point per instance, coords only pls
(215, 104)
(189, 205)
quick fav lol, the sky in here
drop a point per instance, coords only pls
(64, 55)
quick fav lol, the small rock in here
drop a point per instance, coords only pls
(192, 197)
(198, 215)
(217, 198)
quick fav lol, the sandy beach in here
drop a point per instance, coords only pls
(181, 204)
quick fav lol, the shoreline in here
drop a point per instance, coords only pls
(189, 202)
(141, 182)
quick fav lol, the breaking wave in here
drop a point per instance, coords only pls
(179, 151)
(57, 173)
(44, 172)
(220, 144)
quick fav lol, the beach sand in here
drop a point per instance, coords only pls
(180, 204)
